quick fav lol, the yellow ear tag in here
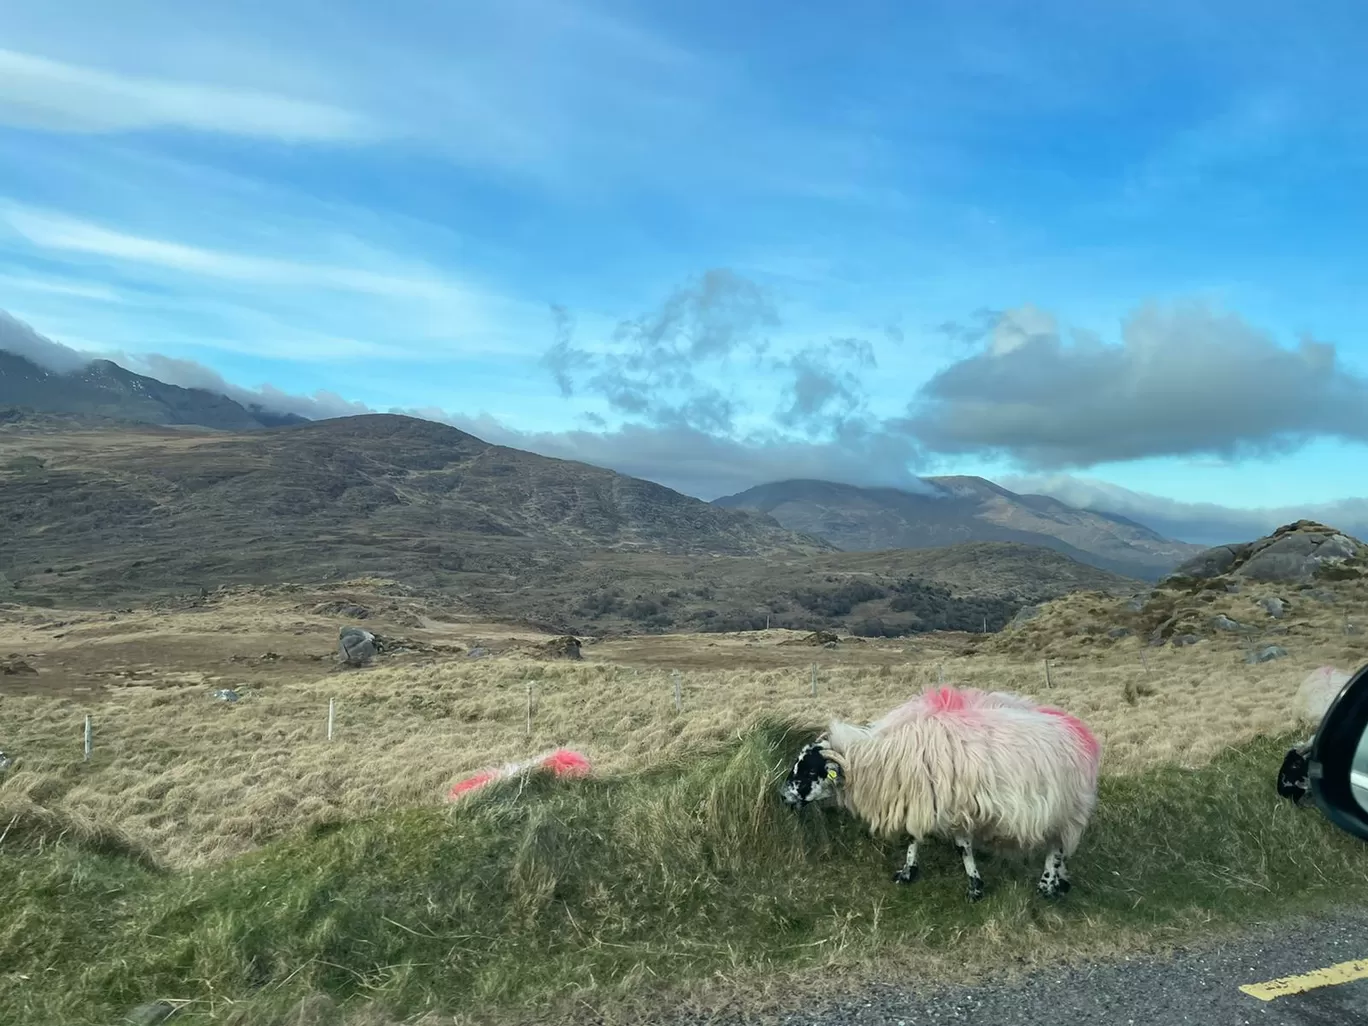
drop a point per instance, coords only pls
(831, 774)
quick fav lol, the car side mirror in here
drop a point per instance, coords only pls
(1338, 762)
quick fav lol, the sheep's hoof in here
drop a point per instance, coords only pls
(1064, 886)
(905, 875)
(1052, 889)
(975, 888)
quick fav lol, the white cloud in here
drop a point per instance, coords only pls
(20, 338)
(59, 232)
(36, 92)
(1184, 380)
(284, 285)
(1205, 523)
(58, 287)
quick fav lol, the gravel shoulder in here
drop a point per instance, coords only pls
(1196, 985)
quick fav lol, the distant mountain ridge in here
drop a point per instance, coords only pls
(104, 389)
(962, 509)
(965, 509)
(107, 514)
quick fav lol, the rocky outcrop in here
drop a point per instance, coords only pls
(357, 647)
(565, 647)
(1294, 553)
(817, 639)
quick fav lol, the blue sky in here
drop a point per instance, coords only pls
(1113, 251)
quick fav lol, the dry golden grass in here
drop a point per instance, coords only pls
(198, 780)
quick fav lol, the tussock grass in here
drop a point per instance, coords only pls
(540, 898)
(195, 781)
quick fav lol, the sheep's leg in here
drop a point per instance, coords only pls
(908, 873)
(965, 847)
(1055, 879)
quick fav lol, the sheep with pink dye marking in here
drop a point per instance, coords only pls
(964, 764)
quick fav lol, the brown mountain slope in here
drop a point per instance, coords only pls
(376, 493)
(121, 514)
(961, 509)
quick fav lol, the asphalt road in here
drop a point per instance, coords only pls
(1197, 985)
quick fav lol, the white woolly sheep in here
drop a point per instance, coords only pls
(1318, 690)
(964, 764)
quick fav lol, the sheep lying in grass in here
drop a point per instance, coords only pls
(966, 764)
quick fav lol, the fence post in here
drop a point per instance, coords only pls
(1048, 682)
(678, 693)
(88, 738)
(814, 680)
(529, 708)
(331, 704)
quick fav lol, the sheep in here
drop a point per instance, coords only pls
(1318, 690)
(965, 764)
(971, 696)
(1294, 775)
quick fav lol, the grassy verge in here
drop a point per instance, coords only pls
(533, 898)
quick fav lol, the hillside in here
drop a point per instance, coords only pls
(118, 515)
(1300, 588)
(961, 509)
(105, 389)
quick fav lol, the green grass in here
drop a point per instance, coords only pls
(529, 900)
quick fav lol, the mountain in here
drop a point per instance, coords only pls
(118, 513)
(962, 509)
(378, 493)
(104, 389)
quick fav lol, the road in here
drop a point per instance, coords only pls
(1197, 985)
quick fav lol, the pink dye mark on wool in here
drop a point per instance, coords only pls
(473, 783)
(1079, 729)
(566, 763)
(946, 700)
(563, 762)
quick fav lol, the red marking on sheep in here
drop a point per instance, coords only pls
(472, 783)
(1079, 730)
(563, 762)
(946, 700)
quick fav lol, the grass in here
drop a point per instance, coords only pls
(230, 857)
(625, 891)
(196, 781)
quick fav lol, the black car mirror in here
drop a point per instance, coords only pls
(1338, 762)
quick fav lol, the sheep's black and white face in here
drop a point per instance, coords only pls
(1294, 782)
(811, 779)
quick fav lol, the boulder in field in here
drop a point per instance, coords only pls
(357, 647)
(1266, 654)
(1273, 606)
(565, 647)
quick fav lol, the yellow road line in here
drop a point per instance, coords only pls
(1328, 977)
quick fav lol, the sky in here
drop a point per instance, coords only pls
(1112, 252)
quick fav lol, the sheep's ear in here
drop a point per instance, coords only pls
(835, 768)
